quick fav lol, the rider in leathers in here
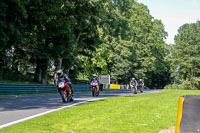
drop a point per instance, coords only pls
(94, 77)
(133, 83)
(59, 76)
(141, 85)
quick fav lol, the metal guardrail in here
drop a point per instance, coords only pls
(17, 89)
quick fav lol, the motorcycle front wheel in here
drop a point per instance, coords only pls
(93, 92)
(97, 92)
(63, 96)
(134, 90)
(141, 89)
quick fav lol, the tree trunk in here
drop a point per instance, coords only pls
(45, 73)
(41, 74)
(1, 67)
(38, 71)
(60, 63)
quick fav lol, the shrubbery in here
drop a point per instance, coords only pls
(192, 84)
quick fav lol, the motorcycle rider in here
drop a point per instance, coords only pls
(133, 83)
(94, 77)
(141, 85)
(59, 76)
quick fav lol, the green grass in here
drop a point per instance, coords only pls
(146, 113)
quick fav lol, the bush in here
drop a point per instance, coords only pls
(17, 77)
(174, 86)
(192, 84)
(195, 82)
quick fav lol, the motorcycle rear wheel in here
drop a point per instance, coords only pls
(71, 99)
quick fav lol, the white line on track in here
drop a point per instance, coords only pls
(40, 114)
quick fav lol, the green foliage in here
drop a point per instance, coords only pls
(174, 86)
(12, 17)
(138, 49)
(193, 84)
(83, 37)
(185, 55)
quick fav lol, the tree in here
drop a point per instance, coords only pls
(185, 52)
(50, 33)
(13, 15)
(137, 44)
(117, 37)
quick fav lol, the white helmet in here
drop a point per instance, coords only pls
(60, 72)
(133, 78)
(94, 75)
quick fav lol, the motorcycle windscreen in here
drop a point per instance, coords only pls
(94, 80)
(190, 121)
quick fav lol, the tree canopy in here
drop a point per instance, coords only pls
(116, 37)
(186, 53)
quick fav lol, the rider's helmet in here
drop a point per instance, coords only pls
(133, 79)
(94, 75)
(60, 73)
(140, 80)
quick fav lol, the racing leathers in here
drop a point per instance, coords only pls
(95, 79)
(133, 83)
(58, 79)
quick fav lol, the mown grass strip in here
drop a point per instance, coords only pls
(146, 113)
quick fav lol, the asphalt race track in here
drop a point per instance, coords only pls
(17, 109)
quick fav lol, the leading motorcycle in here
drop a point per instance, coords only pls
(65, 91)
(134, 89)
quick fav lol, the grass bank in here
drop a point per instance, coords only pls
(146, 113)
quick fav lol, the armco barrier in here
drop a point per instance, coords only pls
(17, 89)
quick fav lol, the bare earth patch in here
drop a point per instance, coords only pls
(170, 130)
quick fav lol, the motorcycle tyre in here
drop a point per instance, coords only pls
(93, 92)
(62, 94)
(97, 94)
(134, 91)
(141, 89)
(71, 99)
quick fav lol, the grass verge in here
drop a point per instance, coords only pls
(146, 113)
